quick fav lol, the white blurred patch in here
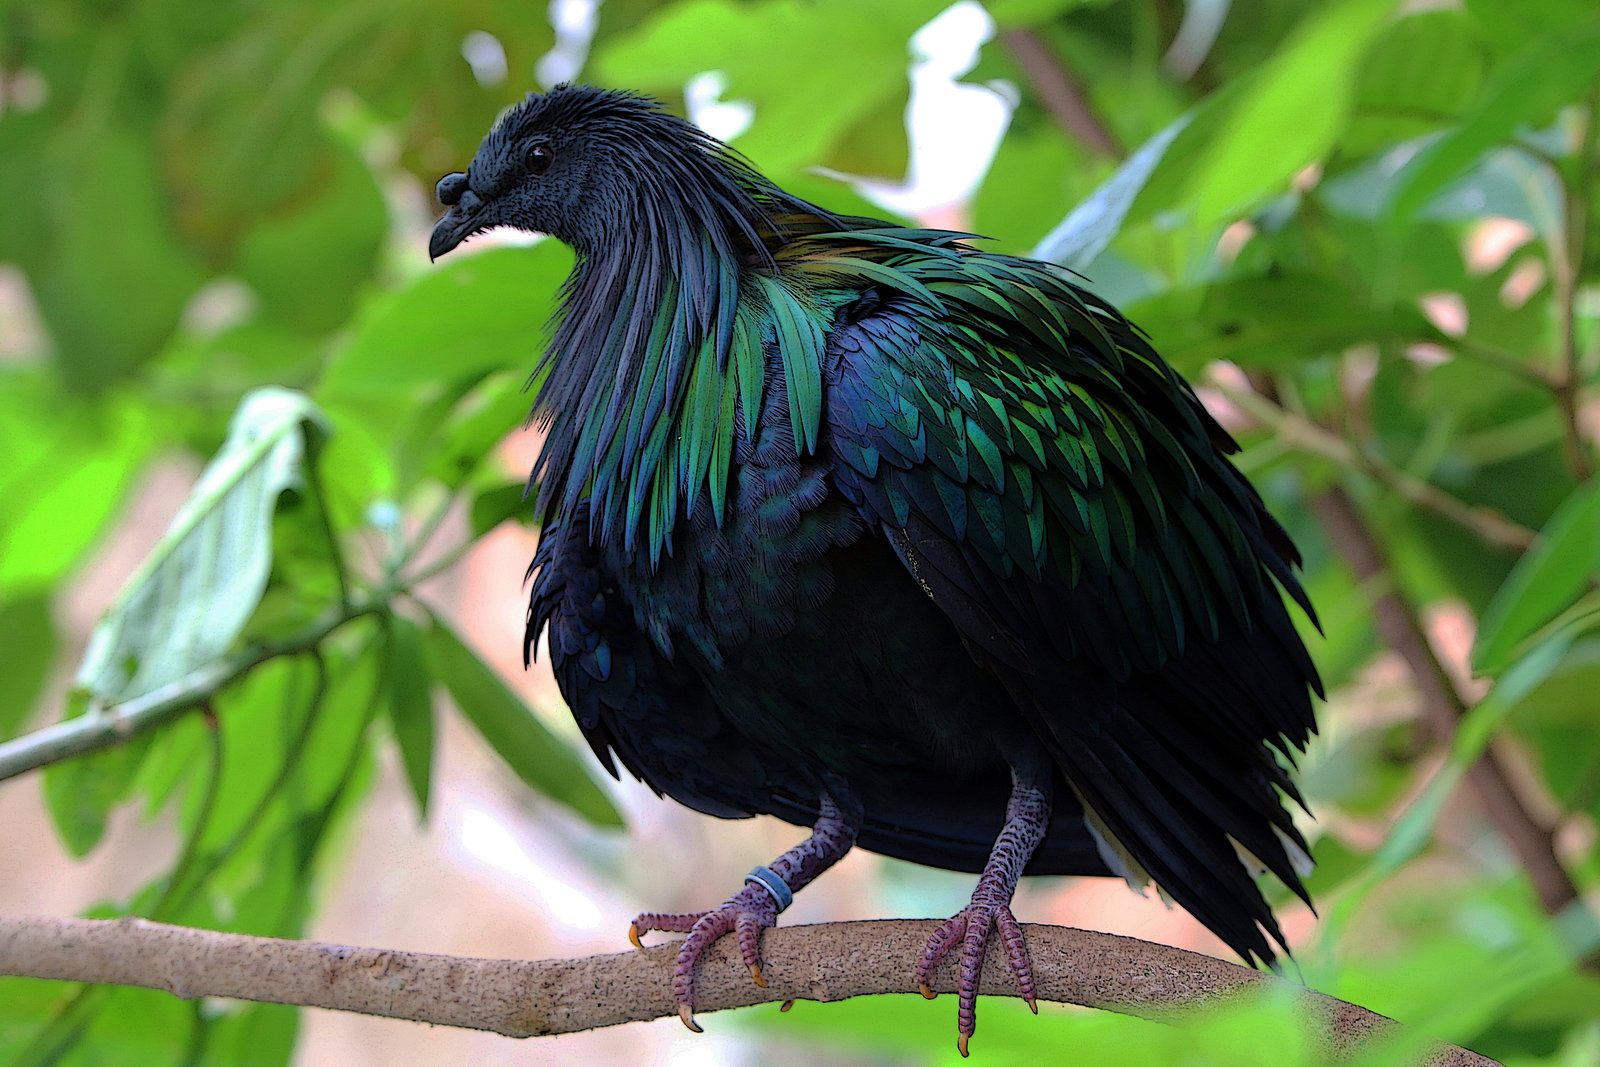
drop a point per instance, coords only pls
(489, 842)
(23, 90)
(220, 305)
(1202, 21)
(954, 127)
(486, 56)
(574, 23)
(722, 119)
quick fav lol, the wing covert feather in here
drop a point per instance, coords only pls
(1063, 495)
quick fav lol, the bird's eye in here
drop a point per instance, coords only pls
(539, 158)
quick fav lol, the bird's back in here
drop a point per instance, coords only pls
(1011, 520)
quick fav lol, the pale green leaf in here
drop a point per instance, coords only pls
(187, 603)
(1090, 227)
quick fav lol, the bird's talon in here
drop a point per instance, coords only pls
(786, 1005)
(922, 987)
(1033, 1005)
(633, 935)
(686, 1013)
(961, 1045)
(756, 975)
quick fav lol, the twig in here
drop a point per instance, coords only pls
(103, 728)
(1296, 431)
(1061, 94)
(1442, 706)
(336, 555)
(1568, 266)
(527, 998)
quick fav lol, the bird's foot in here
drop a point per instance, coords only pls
(970, 929)
(767, 891)
(746, 913)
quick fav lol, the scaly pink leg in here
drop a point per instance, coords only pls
(1027, 817)
(767, 891)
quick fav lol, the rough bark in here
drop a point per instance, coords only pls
(528, 998)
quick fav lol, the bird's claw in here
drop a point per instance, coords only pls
(747, 913)
(970, 928)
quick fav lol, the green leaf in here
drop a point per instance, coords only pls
(1090, 227)
(475, 314)
(131, 1027)
(191, 597)
(1292, 113)
(496, 505)
(260, 1035)
(1508, 25)
(1547, 579)
(1011, 13)
(1034, 169)
(113, 279)
(67, 465)
(536, 755)
(1526, 89)
(1272, 320)
(81, 792)
(771, 53)
(261, 721)
(493, 411)
(28, 635)
(1419, 73)
(338, 738)
(1473, 733)
(307, 259)
(409, 690)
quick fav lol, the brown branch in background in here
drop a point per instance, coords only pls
(527, 998)
(1569, 265)
(1298, 432)
(1060, 92)
(1442, 706)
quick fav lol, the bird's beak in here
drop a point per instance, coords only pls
(460, 222)
(469, 214)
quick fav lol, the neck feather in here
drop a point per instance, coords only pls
(657, 359)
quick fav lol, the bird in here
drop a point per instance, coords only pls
(917, 545)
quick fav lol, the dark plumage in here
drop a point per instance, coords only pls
(865, 528)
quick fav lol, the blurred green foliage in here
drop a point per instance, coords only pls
(204, 198)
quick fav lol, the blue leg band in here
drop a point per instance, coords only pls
(768, 879)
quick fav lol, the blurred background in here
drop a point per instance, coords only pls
(1366, 230)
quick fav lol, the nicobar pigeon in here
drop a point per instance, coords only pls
(918, 545)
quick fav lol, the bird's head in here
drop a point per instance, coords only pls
(580, 163)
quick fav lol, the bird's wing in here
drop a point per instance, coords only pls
(1064, 497)
(648, 709)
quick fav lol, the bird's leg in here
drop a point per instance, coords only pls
(767, 891)
(1027, 817)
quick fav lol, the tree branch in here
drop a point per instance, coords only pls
(527, 998)
(103, 727)
(1568, 269)
(1442, 706)
(1061, 94)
